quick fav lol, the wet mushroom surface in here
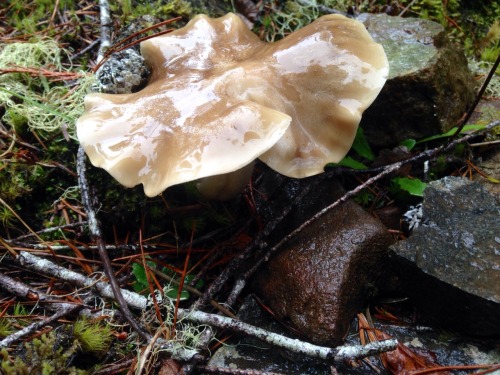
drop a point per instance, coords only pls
(219, 97)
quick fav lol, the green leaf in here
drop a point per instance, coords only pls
(141, 279)
(361, 146)
(408, 143)
(351, 163)
(172, 294)
(414, 186)
(449, 133)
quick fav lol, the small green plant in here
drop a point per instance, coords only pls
(141, 280)
(413, 186)
(5, 327)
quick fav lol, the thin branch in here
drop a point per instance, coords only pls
(95, 230)
(479, 95)
(233, 371)
(133, 299)
(314, 351)
(46, 267)
(9, 340)
(386, 170)
(106, 26)
(49, 230)
(19, 289)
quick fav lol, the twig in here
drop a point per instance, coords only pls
(116, 368)
(323, 8)
(21, 290)
(95, 230)
(49, 230)
(39, 246)
(479, 95)
(9, 340)
(257, 243)
(133, 299)
(406, 8)
(86, 49)
(387, 170)
(241, 282)
(47, 73)
(232, 371)
(104, 289)
(106, 25)
(314, 351)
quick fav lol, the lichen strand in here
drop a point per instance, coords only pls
(35, 110)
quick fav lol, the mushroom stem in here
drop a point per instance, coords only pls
(225, 186)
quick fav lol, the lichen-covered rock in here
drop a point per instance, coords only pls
(450, 265)
(429, 86)
(322, 277)
(123, 73)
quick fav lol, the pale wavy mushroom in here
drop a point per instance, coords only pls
(219, 97)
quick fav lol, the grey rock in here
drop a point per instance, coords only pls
(451, 264)
(429, 86)
(323, 276)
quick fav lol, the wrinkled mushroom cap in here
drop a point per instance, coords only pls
(219, 97)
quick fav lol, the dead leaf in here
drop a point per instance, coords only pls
(402, 360)
(170, 367)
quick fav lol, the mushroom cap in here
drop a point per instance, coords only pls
(332, 71)
(219, 97)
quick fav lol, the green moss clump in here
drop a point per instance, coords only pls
(42, 356)
(160, 9)
(92, 336)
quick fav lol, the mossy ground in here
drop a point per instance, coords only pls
(50, 52)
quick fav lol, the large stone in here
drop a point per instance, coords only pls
(450, 265)
(429, 86)
(322, 277)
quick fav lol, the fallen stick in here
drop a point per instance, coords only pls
(102, 288)
(20, 289)
(46, 267)
(328, 354)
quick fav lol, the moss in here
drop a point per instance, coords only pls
(42, 356)
(159, 9)
(92, 336)
(28, 17)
